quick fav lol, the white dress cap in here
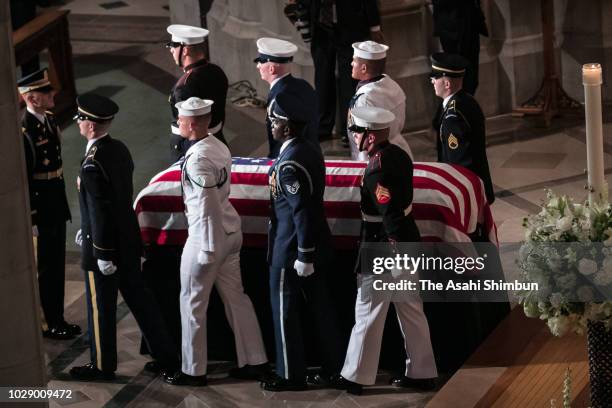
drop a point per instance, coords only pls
(372, 118)
(370, 50)
(188, 35)
(194, 106)
(279, 50)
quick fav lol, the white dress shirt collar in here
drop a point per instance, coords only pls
(39, 116)
(285, 144)
(445, 101)
(92, 141)
(278, 79)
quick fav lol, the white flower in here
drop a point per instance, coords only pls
(556, 300)
(558, 325)
(564, 224)
(585, 293)
(608, 241)
(587, 266)
(531, 309)
(603, 278)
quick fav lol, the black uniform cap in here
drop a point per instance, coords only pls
(96, 108)
(287, 106)
(37, 81)
(446, 64)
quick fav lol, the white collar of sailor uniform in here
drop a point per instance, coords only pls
(92, 141)
(285, 144)
(448, 98)
(39, 116)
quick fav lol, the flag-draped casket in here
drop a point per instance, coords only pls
(449, 203)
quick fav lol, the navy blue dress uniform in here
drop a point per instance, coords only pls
(299, 245)
(111, 237)
(386, 207)
(460, 124)
(459, 24)
(48, 205)
(336, 25)
(281, 52)
(202, 79)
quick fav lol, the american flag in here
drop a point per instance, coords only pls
(449, 203)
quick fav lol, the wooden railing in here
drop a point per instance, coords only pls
(49, 31)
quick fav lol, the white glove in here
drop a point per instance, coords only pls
(78, 238)
(303, 269)
(106, 267)
(205, 257)
(34, 230)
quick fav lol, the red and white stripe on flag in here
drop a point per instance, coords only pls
(449, 203)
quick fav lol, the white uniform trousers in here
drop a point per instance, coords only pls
(196, 283)
(362, 355)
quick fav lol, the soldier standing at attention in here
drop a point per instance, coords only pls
(200, 78)
(376, 89)
(386, 207)
(111, 247)
(274, 65)
(48, 203)
(459, 121)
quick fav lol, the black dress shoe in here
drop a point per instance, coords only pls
(154, 367)
(180, 378)
(75, 329)
(259, 372)
(89, 372)
(58, 333)
(423, 384)
(281, 384)
(318, 379)
(341, 383)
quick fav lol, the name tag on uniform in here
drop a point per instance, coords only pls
(42, 142)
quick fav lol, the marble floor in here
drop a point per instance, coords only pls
(118, 52)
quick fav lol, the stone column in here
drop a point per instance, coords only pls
(22, 361)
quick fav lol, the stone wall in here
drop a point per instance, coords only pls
(511, 64)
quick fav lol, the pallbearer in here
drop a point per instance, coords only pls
(386, 206)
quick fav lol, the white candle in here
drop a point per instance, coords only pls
(591, 79)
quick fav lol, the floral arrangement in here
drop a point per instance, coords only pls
(568, 252)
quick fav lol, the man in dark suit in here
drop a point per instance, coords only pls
(274, 65)
(336, 25)
(299, 243)
(459, 24)
(111, 246)
(200, 78)
(48, 203)
(460, 123)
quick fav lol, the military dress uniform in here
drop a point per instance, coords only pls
(380, 92)
(299, 231)
(386, 205)
(48, 206)
(201, 79)
(460, 125)
(110, 232)
(211, 255)
(281, 52)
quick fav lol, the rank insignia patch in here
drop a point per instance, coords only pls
(293, 188)
(453, 142)
(383, 195)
